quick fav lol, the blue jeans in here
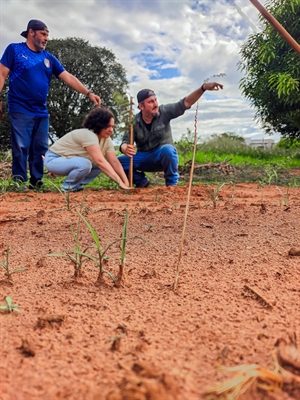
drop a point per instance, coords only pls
(79, 170)
(29, 142)
(164, 159)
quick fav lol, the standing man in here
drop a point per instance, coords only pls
(30, 68)
(153, 136)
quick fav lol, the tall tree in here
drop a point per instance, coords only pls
(272, 70)
(4, 124)
(97, 68)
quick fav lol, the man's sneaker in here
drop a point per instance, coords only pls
(36, 186)
(72, 190)
(23, 189)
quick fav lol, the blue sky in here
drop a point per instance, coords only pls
(169, 46)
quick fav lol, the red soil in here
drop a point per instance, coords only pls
(74, 339)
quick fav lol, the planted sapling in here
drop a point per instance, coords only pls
(285, 196)
(78, 256)
(214, 193)
(102, 258)
(5, 265)
(9, 306)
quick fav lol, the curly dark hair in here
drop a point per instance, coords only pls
(97, 119)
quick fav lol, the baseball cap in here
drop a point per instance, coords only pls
(144, 94)
(36, 25)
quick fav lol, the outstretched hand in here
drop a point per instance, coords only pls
(95, 99)
(212, 86)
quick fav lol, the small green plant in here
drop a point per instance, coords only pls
(77, 257)
(285, 196)
(271, 174)
(102, 258)
(149, 228)
(65, 195)
(9, 306)
(125, 110)
(213, 193)
(8, 272)
(116, 341)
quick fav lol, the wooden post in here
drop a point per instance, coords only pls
(131, 143)
(279, 28)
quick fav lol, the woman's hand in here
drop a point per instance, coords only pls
(123, 185)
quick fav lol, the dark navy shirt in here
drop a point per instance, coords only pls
(160, 132)
(29, 78)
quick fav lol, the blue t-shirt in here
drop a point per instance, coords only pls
(29, 78)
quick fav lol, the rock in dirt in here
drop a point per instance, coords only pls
(151, 384)
(294, 252)
(26, 348)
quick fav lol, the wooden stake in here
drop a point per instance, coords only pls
(259, 295)
(279, 28)
(131, 143)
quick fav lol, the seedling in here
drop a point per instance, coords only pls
(149, 228)
(9, 306)
(79, 256)
(285, 196)
(271, 175)
(214, 194)
(116, 342)
(5, 265)
(102, 258)
(124, 104)
(66, 196)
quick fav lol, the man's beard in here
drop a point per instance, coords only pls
(155, 114)
(38, 44)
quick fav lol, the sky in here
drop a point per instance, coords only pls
(169, 46)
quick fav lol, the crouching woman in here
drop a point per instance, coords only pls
(83, 153)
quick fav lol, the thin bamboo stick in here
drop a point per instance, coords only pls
(175, 284)
(131, 143)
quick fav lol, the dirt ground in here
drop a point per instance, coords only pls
(236, 303)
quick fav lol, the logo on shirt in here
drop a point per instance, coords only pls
(47, 63)
(24, 56)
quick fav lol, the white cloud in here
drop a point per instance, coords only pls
(196, 38)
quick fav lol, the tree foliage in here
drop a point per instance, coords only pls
(272, 71)
(96, 67)
(288, 144)
(4, 124)
(229, 135)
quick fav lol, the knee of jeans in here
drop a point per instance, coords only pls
(168, 150)
(86, 166)
(124, 160)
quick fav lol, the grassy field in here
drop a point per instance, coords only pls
(217, 161)
(226, 160)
